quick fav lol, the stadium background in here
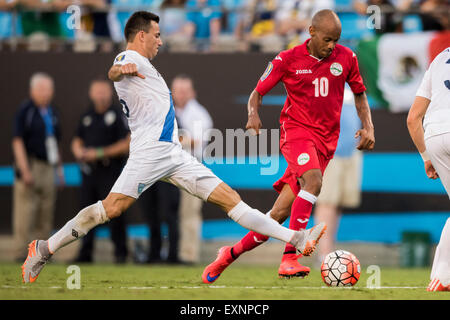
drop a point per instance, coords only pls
(397, 196)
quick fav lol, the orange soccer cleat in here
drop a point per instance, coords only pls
(34, 263)
(215, 269)
(290, 267)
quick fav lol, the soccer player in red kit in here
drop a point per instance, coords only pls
(314, 75)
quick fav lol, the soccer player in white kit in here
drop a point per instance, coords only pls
(156, 154)
(432, 139)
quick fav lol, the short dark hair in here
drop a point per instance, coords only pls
(139, 21)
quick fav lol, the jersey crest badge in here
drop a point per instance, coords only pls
(120, 58)
(267, 72)
(303, 159)
(336, 69)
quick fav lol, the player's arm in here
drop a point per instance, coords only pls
(415, 128)
(254, 103)
(273, 74)
(118, 71)
(367, 132)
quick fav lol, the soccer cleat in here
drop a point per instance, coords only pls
(34, 262)
(436, 285)
(290, 267)
(215, 269)
(306, 240)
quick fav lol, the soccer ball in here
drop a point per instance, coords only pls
(340, 268)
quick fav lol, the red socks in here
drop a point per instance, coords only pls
(300, 213)
(250, 241)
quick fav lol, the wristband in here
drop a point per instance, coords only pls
(100, 153)
(424, 156)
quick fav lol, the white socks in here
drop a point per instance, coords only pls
(255, 220)
(78, 227)
(307, 196)
(441, 262)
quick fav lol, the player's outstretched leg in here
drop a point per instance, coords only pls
(40, 251)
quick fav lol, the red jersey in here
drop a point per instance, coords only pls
(315, 91)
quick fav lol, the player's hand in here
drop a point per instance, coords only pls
(130, 69)
(254, 123)
(430, 171)
(367, 141)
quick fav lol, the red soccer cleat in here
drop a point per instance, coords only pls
(215, 269)
(290, 267)
(436, 285)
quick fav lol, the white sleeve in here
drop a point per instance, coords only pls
(124, 58)
(425, 86)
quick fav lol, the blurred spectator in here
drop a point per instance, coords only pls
(94, 22)
(293, 17)
(204, 23)
(258, 26)
(161, 202)
(100, 145)
(172, 16)
(194, 120)
(434, 14)
(36, 155)
(341, 187)
(6, 5)
(42, 16)
(172, 23)
(390, 20)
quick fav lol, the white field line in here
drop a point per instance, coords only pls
(220, 287)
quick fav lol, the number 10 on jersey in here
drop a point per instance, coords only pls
(320, 87)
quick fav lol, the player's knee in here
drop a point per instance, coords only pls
(313, 184)
(280, 214)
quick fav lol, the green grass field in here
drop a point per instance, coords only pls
(106, 281)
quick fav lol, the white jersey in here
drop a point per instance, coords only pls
(147, 104)
(436, 87)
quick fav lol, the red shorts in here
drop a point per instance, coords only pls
(301, 155)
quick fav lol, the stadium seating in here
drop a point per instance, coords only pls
(354, 26)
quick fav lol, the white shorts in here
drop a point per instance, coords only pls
(438, 147)
(168, 162)
(341, 185)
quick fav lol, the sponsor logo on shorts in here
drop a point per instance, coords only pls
(267, 72)
(303, 159)
(336, 69)
(141, 187)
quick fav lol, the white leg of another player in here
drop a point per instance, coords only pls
(441, 262)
